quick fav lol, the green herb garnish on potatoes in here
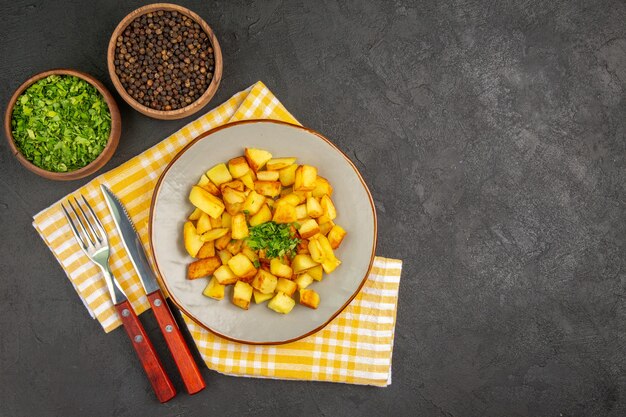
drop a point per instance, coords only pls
(276, 239)
(61, 123)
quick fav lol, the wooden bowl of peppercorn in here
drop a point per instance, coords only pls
(165, 61)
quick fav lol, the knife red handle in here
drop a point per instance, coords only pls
(163, 387)
(174, 338)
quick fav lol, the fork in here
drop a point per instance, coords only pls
(93, 240)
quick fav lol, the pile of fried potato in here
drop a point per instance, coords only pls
(248, 191)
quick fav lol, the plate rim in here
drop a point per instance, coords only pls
(157, 189)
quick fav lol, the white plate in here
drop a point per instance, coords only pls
(259, 324)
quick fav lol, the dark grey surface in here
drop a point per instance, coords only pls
(492, 136)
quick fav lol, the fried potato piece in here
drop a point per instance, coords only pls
(276, 164)
(267, 175)
(287, 176)
(242, 267)
(212, 189)
(203, 267)
(192, 239)
(232, 196)
(284, 213)
(317, 272)
(226, 220)
(207, 250)
(217, 222)
(330, 265)
(291, 198)
(303, 280)
(257, 158)
(301, 212)
(309, 298)
(222, 242)
(263, 215)
(242, 294)
(214, 234)
(204, 223)
(259, 297)
(248, 180)
(302, 262)
(308, 228)
(305, 178)
(328, 207)
(234, 184)
(326, 227)
(336, 235)
(225, 256)
(195, 215)
(286, 286)
(219, 174)
(322, 187)
(253, 203)
(250, 254)
(233, 209)
(214, 289)
(264, 282)
(225, 276)
(268, 188)
(204, 180)
(313, 207)
(206, 201)
(239, 226)
(234, 246)
(315, 249)
(280, 269)
(281, 303)
(238, 167)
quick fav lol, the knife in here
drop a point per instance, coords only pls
(173, 337)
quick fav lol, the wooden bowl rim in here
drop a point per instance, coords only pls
(190, 108)
(101, 159)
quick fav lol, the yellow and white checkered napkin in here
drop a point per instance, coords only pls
(356, 347)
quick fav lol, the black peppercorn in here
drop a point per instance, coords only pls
(164, 60)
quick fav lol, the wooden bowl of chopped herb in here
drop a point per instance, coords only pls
(62, 124)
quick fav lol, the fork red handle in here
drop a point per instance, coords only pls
(176, 343)
(163, 387)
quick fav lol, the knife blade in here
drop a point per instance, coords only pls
(173, 337)
(130, 240)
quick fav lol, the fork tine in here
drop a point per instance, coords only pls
(88, 237)
(94, 234)
(73, 227)
(97, 222)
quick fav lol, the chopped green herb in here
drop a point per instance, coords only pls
(277, 239)
(61, 123)
(246, 212)
(256, 263)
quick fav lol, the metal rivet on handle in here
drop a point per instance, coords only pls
(138, 338)
(169, 328)
(157, 302)
(125, 312)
